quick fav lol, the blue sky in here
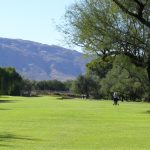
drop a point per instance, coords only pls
(33, 20)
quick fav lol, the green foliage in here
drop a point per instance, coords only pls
(27, 86)
(100, 67)
(85, 85)
(9, 81)
(110, 28)
(101, 27)
(139, 9)
(52, 85)
(127, 79)
(68, 84)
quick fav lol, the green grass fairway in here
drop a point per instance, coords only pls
(49, 123)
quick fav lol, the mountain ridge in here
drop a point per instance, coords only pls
(37, 61)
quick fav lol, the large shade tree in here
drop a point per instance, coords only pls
(106, 28)
(127, 79)
(139, 9)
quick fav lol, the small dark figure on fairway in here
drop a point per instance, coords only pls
(115, 98)
(83, 96)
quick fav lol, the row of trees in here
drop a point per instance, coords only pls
(11, 83)
(27, 86)
(101, 80)
(118, 33)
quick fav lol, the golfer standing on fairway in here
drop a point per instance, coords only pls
(115, 98)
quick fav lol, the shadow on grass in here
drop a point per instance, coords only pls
(31, 96)
(8, 137)
(4, 109)
(147, 112)
(5, 145)
(65, 98)
(7, 101)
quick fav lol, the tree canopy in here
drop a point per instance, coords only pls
(139, 9)
(109, 28)
(9, 81)
(101, 27)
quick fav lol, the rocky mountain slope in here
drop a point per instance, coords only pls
(38, 61)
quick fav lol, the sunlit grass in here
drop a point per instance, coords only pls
(49, 123)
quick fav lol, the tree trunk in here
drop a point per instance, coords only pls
(148, 73)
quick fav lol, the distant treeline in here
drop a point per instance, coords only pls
(11, 83)
(100, 81)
